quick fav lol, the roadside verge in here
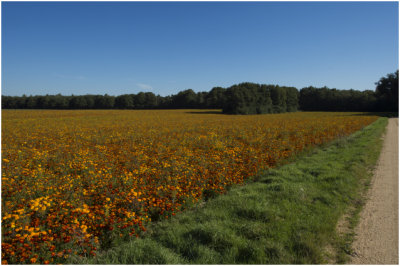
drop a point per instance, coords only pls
(377, 235)
(287, 216)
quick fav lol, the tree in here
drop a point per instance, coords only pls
(387, 90)
(325, 99)
(90, 101)
(150, 100)
(201, 99)
(215, 98)
(248, 98)
(292, 99)
(139, 100)
(104, 102)
(42, 102)
(184, 99)
(78, 102)
(124, 101)
(31, 102)
(8, 102)
(278, 97)
(21, 102)
(60, 102)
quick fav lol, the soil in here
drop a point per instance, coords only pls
(377, 234)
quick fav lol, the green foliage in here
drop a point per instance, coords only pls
(243, 98)
(384, 99)
(292, 99)
(252, 98)
(215, 98)
(184, 99)
(78, 102)
(387, 90)
(124, 101)
(325, 99)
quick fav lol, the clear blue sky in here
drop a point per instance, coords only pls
(127, 47)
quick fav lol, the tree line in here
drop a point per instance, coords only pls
(142, 100)
(383, 99)
(252, 98)
(243, 98)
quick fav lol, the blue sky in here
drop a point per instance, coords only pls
(127, 47)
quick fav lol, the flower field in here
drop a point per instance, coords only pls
(74, 181)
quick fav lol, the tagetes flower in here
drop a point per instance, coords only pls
(69, 177)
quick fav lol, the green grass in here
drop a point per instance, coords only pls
(288, 215)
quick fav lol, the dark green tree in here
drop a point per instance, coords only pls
(387, 91)
(150, 100)
(184, 99)
(292, 99)
(104, 102)
(124, 101)
(78, 102)
(278, 97)
(31, 102)
(215, 98)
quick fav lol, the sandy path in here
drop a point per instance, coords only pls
(377, 233)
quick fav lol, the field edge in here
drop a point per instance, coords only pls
(283, 217)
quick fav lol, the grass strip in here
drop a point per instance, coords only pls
(289, 215)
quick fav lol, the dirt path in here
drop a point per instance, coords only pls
(376, 240)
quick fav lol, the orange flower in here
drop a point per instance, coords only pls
(149, 168)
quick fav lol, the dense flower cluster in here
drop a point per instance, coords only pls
(73, 180)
